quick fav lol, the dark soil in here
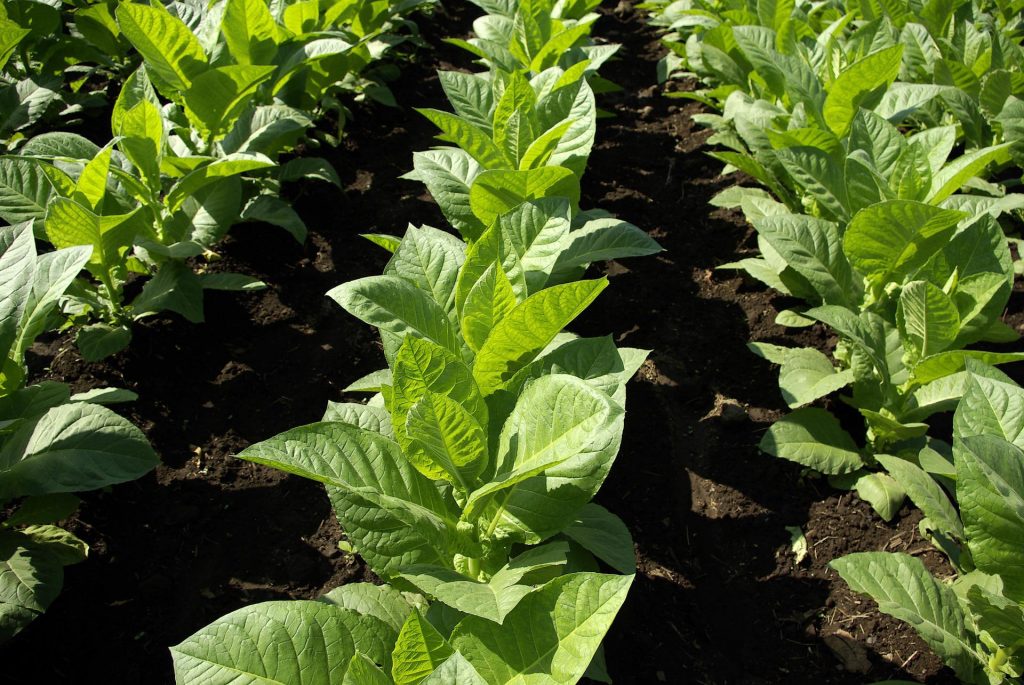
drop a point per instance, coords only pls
(719, 597)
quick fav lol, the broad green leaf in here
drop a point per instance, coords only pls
(455, 671)
(72, 448)
(858, 84)
(143, 140)
(176, 288)
(926, 494)
(471, 96)
(362, 670)
(393, 515)
(813, 249)
(498, 596)
(17, 269)
(604, 535)
(891, 240)
(430, 259)
(100, 340)
(217, 96)
(25, 190)
(469, 137)
(992, 404)
(172, 52)
(299, 642)
(251, 34)
(395, 305)
(10, 36)
(419, 650)
(365, 416)
(528, 329)
(954, 175)
(882, 492)
(381, 601)
(446, 440)
(561, 437)
(30, 579)
(542, 147)
(814, 438)
(551, 637)
(44, 509)
(494, 193)
(952, 361)
(448, 175)
(990, 491)
(807, 375)
(230, 165)
(905, 589)
(489, 301)
(820, 175)
(927, 318)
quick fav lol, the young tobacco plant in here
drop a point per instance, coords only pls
(931, 287)
(141, 206)
(976, 622)
(52, 443)
(535, 35)
(238, 55)
(489, 434)
(521, 140)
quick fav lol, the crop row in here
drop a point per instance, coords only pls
(241, 83)
(465, 482)
(887, 140)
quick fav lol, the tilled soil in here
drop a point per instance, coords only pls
(719, 597)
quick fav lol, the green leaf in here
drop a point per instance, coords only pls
(446, 440)
(926, 494)
(381, 601)
(990, 491)
(858, 84)
(363, 671)
(430, 259)
(30, 579)
(98, 341)
(604, 535)
(299, 642)
(498, 596)
(927, 318)
(471, 95)
(216, 98)
(373, 487)
(44, 509)
(952, 361)
(528, 329)
(419, 649)
(448, 174)
(25, 190)
(813, 249)
(71, 448)
(992, 404)
(176, 288)
(494, 193)
(488, 301)
(954, 175)
(562, 436)
(455, 670)
(10, 36)
(814, 438)
(807, 375)
(882, 492)
(891, 240)
(905, 589)
(172, 52)
(251, 34)
(395, 305)
(229, 165)
(469, 137)
(550, 637)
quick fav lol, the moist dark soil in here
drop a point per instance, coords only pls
(719, 596)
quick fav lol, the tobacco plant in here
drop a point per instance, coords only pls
(52, 443)
(976, 621)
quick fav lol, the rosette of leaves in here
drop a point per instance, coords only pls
(361, 634)
(976, 621)
(931, 287)
(466, 479)
(535, 35)
(522, 140)
(52, 443)
(226, 62)
(144, 205)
